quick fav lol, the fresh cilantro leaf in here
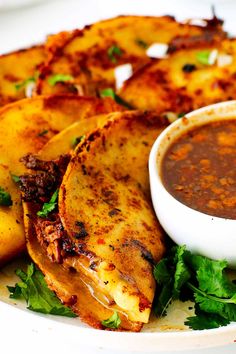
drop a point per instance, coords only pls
(15, 178)
(23, 84)
(206, 321)
(211, 276)
(212, 304)
(109, 92)
(112, 322)
(43, 132)
(5, 198)
(48, 207)
(163, 299)
(54, 79)
(161, 272)
(141, 43)
(181, 114)
(182, 273)
(113, 52)
(34, 290)
(77, 140)
(203, 57)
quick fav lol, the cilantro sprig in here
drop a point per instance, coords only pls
(141, 43)
(23, 84)
(185, 276)
(113, 53)
(38, 296)
(5, 198)
(109, 92)
(50, 206)
(54, 79)
(75, 141)
(112, 322)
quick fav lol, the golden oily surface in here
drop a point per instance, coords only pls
(25, 127)
(84, 54)
(106, 188)
(15, 68)
(164, 86)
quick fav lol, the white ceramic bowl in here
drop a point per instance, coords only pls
(207, 235)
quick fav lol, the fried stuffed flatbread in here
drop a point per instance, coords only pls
(25, 127)
(104, 230)
(83, 61)
(187, 79)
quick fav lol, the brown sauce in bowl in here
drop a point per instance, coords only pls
(199, 169)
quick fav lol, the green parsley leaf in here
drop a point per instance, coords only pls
(23, 84)
(113, 52)
(54, 79)
(76, 141)
(113, 322)
(34, 290)
(5, 198)
(15, 178)
(109, 92)
(50, 206)
(203, 57)
(141, 43)
(43, 132)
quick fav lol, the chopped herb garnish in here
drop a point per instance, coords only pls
(77, 140)
(15, 178)
(23, 84)
(43, 132)
(181, 114)
(188, 68)
(109, 92)
(113, 52)
(34, 290)
(113, 322)
(54, 79)
(203, 57)
(5, 198)
(141, 43)
(185, 276)
(48, 207)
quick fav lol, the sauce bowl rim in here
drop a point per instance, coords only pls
(156, 156)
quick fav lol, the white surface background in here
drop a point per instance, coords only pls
(29, 25)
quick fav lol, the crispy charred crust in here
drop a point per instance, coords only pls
(148, 119)
(208, 37)
(38, 187)
(144, 252)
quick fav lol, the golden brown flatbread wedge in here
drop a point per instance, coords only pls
(89, 56)
(104, 235)
(18, 70)
(25, 127)
(183, 82)
(68, 139)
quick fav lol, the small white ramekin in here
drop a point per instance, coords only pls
(203, 234)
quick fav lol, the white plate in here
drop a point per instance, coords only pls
(150, 339)
(63, 335)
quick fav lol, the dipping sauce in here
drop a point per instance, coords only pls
(199, 169)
